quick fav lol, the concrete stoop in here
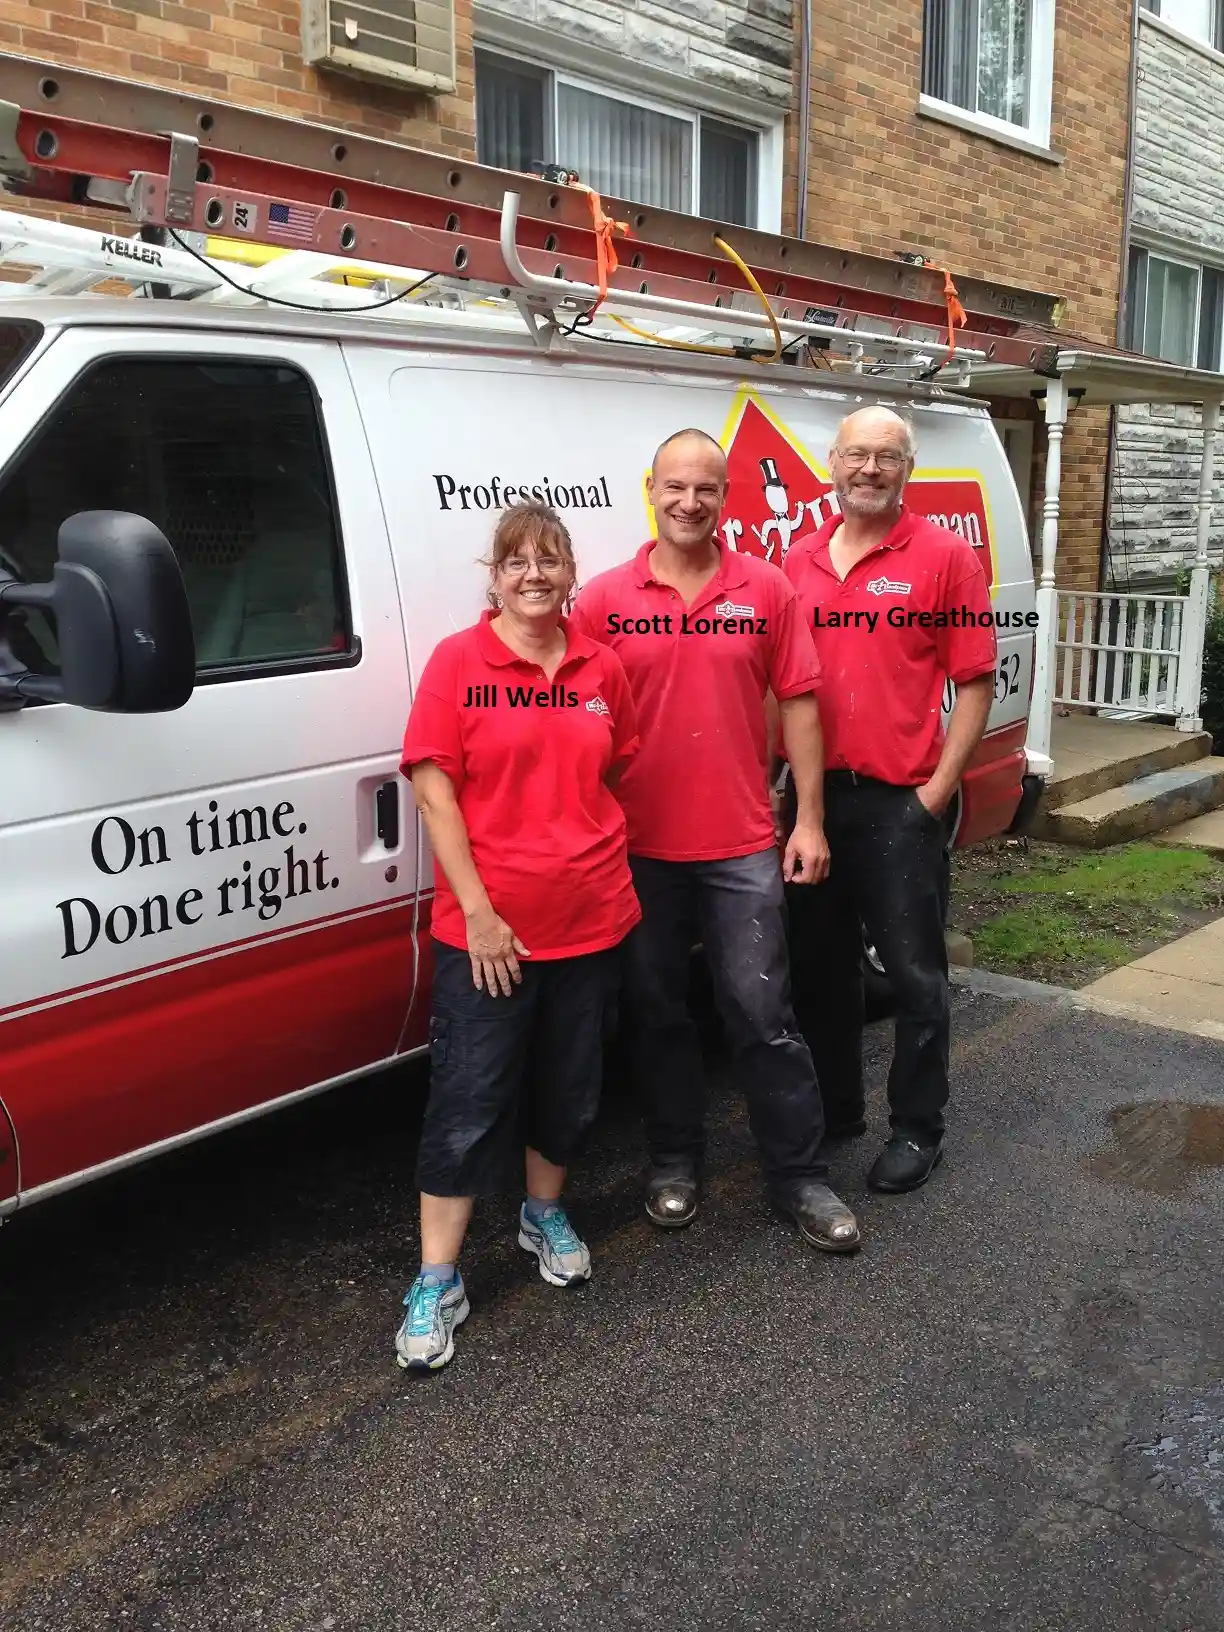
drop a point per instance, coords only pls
(1176, 748)
(1148, 803)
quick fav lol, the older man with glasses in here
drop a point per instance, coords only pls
(886, 593)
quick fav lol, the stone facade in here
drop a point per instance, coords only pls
(740, 46)
(1178, 207)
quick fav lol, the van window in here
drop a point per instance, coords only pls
(228, 460)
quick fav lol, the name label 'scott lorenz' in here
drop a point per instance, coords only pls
(662, 623)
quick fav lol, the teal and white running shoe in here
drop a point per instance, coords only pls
(564, 1259)
(426, 1341)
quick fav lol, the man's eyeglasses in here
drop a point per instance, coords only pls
(516, 565)
(856, 458)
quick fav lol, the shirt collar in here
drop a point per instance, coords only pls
(898, 535)
(578, 647)
(730, 572)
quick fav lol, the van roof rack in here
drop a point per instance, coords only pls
(231, 190)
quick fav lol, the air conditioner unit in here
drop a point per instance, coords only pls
(397, 42)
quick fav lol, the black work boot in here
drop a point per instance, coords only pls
(906, 1162)
(845, 1121)
(672, 1194)
(823, 1218)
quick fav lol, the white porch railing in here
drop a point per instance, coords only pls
(1122, 653)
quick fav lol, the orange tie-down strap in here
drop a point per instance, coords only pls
(956, 312)
(605, 241)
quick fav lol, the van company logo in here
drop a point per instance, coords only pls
(779, 495)
(728, 609)
(598, 706)
(885, 586)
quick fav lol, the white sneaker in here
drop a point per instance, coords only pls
(564, 1259)
(426, 1341)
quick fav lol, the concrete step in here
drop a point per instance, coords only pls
(1089, 773)
(1199, 833)
(1147, 804)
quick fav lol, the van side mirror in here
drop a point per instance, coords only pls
(124, 630)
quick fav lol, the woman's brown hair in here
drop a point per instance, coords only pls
(530, 523)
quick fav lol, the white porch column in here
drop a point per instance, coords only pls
(1194, 616)
(1041, 713)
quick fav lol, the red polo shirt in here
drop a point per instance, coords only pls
(902, 622)
(698, 791)
(528, 759)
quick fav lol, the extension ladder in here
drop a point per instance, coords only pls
(216, 184)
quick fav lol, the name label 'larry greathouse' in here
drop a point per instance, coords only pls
(901, 617)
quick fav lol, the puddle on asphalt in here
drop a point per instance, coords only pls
(1156, 1145)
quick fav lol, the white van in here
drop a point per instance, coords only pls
(210, 910)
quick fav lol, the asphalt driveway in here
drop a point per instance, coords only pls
(1006, 1413)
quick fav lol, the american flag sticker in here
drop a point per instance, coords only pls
(291, 223)
(245, 217)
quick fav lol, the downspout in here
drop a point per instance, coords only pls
(805, 115)
(1128, 199)
(1129, 186)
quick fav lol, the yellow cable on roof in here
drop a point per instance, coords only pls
(714, 351)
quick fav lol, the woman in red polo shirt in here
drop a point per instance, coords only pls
(519, 729)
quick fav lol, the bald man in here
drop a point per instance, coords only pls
(864, 582)
(704, 634)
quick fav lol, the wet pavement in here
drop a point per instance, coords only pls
(1006, 1413)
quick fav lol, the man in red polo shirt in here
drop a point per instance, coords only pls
(703, 635)
(897, 606)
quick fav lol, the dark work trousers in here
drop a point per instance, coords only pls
(510, 1071)
(737, 910)
(888, 877)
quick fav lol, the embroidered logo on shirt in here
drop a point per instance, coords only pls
(885, 586)
(598, 706)
(728, 609)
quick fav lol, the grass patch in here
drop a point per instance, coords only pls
(1047, 912)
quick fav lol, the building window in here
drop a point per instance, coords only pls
(670, 158)
(993, 60)
(1201, 19)
(1174, 310)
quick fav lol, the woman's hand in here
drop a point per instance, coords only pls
(494, 949)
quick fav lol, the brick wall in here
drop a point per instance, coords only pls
(1178, 204)
(243, 52)
(882, 178)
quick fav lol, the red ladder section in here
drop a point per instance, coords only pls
(193, 165)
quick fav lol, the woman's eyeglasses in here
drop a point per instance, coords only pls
(516, 565)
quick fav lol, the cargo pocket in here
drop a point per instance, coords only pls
(439, 1041)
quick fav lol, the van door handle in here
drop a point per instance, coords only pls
(386, 809)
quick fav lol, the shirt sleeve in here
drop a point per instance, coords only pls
(433, 730)
(625, 739)
(586, 616)
(794, 667)
(971, 650)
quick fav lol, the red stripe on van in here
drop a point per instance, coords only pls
(128, 1066)
(991, 786)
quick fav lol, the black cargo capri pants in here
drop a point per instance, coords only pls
(512, 1071)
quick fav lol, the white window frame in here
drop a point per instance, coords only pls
(769, 179)
(1153, 13)
(1041, 92)
(1187, 266)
